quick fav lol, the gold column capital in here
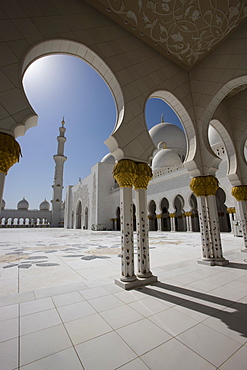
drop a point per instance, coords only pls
(172, 215)
(144, 175)
(204, 185)
(124, 172)
(159, 216)
(240, 192)
(231, 210)
(188, 214)
(10, 152)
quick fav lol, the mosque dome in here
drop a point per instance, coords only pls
(171, 135)
(44, 206)
(23, 204)
(3, 204)
(213, 136)
(165, 158)
(108, 158)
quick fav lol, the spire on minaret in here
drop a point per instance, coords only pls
(162, 118)
(59, 159)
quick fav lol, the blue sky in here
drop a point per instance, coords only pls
(58, 86)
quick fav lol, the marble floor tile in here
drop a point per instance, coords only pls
(142, 336)
(237, 361)
(9, 312)
(67, 298)
(174, 355)
(43, 343)
(108, 351)
(173, 321)
(86, 328)
(105, 303)
(62, 360)
(121, 316)
(38, 321)
(94, 292)
(75, 311)
(9, 329)
(209, 344)
(136, 364)
(36, 306)
(149, 306)
(9, 354)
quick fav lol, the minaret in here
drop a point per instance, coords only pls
(59, 159)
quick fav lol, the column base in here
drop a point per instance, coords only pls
(127, 285)
(244, 250)
(212, 262)
(128, 279)
(144, 276)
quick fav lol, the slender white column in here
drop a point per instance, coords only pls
(214, 228)
(190, 222)
(205, 236)
(142, 234)
(172, 220)
(231, 211)
(127, 245)
(240, 194)
(159, 222)
(242, 210)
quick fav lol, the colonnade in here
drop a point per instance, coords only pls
(131, 174)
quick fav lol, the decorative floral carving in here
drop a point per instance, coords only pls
(186, 29)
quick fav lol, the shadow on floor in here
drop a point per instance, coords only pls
(235, 320)
(235, 265)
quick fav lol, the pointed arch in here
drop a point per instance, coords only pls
(73, 48)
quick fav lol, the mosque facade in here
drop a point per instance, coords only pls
(94, 202)
(191, 56)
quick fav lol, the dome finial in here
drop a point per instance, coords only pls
(162, 118)
(63, 122)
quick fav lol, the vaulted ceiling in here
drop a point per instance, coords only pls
(185, 31)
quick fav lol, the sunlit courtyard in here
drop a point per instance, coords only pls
(60, 308)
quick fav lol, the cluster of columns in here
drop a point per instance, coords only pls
(10, 152)
(131, 174)
(240, 194)
(187, 217)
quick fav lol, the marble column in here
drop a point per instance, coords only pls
(231, 211)
(188, 221)
(144, 175)
(10, 152)
(124, 172)
(159, 222)
(205, 187)
(240, 194)
(172, 218)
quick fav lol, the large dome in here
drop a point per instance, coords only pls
(23, 204)
(108, 158)
(165, 158)
(44, 206)
(171, 135)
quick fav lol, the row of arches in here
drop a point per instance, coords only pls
(24, 222)
(80, 217)
(173, 218)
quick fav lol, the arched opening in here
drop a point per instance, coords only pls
(118, 226)
(180, 224)
(166, 224)
(179, 115)
(78, 215)
(194, 211)
(51, 112)
(86, 218)
(223, 215)
(152, 216)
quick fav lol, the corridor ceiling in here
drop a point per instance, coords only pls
(185, 31)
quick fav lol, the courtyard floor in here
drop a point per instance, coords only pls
(60, 308)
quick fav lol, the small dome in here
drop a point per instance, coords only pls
(165, 158)
(213, 136)
(108, 158)
(3, 204)
(44, 206)
(23, 204)
(171, 135)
